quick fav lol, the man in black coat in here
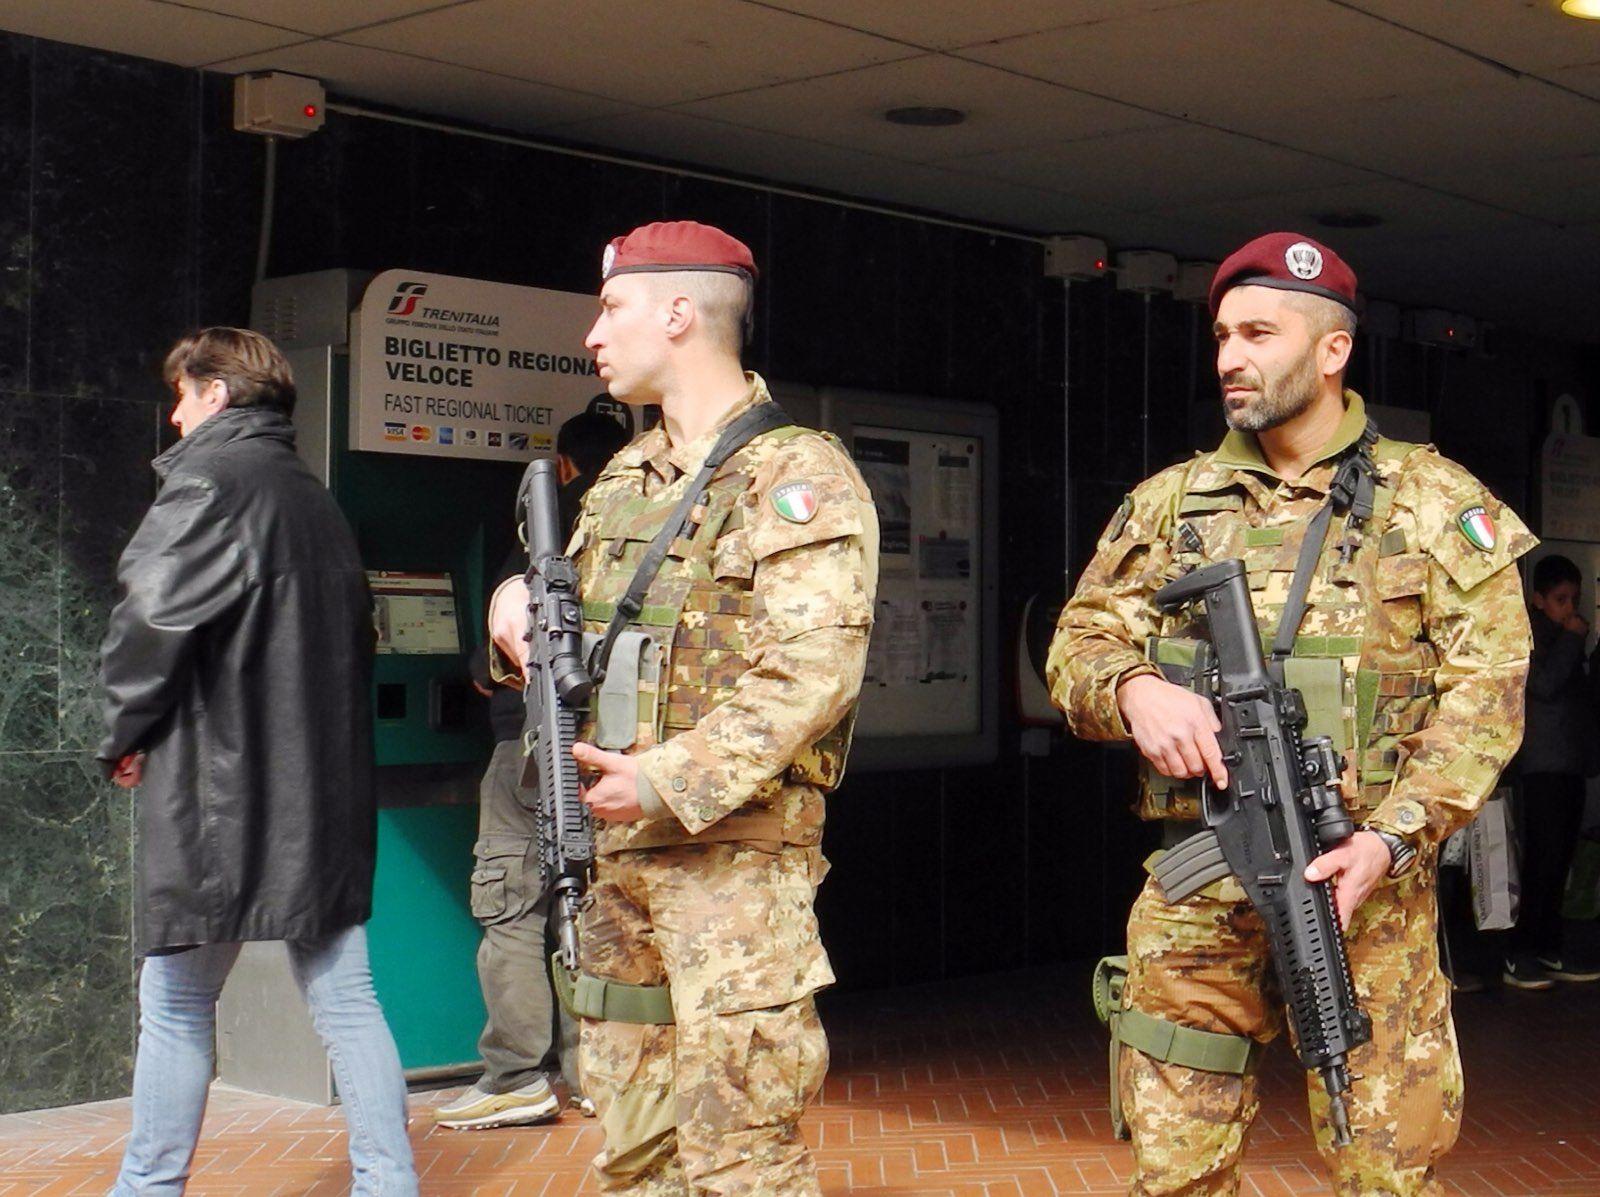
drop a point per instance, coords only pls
(237, 671)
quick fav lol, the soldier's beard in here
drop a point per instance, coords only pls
(1277, 400)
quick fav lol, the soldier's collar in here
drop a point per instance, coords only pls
(690, 457)
(1241, 450)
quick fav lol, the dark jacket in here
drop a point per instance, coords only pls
(240, 659)
(1559, 735)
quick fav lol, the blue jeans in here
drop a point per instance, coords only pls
(177, 1038)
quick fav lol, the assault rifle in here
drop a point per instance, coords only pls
(556, 693)
(1281, 809)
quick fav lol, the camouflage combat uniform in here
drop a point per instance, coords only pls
(759, 622)
(1432, 639)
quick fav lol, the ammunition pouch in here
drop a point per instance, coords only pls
(628, 697)
(1166, 1042)
(584, 996)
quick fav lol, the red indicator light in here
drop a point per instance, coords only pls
(1449, 332)
(1099, 263)
(310, 110)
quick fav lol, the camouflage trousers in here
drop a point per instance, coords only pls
(711, 1105)
(1203, 963)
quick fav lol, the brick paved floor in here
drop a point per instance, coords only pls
(990, 1088)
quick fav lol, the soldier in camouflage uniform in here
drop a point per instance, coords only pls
(710, 821)
(1412, 654)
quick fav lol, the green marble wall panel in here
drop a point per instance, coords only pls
(65, 865)
(97, 258)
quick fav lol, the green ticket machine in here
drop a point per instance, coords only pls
(421, 398)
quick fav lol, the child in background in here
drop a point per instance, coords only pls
(1558, 751)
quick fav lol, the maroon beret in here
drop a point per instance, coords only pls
(677, 245)
(1289, 262)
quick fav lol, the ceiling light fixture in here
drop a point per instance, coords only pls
(925, 118)
(1588, 10)
(1348, 219)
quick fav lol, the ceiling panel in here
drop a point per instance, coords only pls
(1411, 215)
(1584, 79)
(1527, 34)
(1004, 111)
(363, 73)
(1156, 169)
(1557, 190)
(679, 137)
(945, 24)
(988, 201)
(319, 16)
(146, 28)
(1435, 137)
(641, 51)
(1223, 60)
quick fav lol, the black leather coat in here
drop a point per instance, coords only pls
(240, 659)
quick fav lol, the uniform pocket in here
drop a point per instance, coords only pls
(1401, 581)
(731, 558)
(1430, 1088)
(774, 1060)
(503, 879)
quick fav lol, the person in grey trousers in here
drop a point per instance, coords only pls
(526, 1033)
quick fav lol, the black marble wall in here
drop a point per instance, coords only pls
(128, 211)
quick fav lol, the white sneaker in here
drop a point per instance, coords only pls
(478, 1109)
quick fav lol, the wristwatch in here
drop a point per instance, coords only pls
(1402, 853)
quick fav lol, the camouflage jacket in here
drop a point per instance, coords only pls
(761, 617)
(1427, 618)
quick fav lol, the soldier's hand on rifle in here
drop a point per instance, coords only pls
(508, 621)
(1175, 729)
(613, 795)
(1356, 866)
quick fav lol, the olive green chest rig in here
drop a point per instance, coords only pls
(1313, 583)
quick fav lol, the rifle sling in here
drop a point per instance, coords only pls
(1294, 610)
(1351, 491)
(764, 417)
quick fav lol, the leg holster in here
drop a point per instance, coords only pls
(1208, 1051)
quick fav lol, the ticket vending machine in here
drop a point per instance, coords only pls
(429, 527)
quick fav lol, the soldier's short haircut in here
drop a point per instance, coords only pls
(1553, 570)
(721, 300)
(252, 368)
(1323, 316)
(591, 439)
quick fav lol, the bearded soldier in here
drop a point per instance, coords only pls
(1411, 654)
(735, 657)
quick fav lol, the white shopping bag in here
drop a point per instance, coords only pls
(1492, 864)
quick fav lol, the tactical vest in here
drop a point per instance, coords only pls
(1360, 660)
(696, 621)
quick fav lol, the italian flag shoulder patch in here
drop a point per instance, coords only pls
(795, 502)
(1477, 525)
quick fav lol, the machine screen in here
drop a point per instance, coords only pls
(414, 612)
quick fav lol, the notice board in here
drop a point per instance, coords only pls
(932, 686)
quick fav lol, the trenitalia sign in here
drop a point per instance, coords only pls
(459, 367)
